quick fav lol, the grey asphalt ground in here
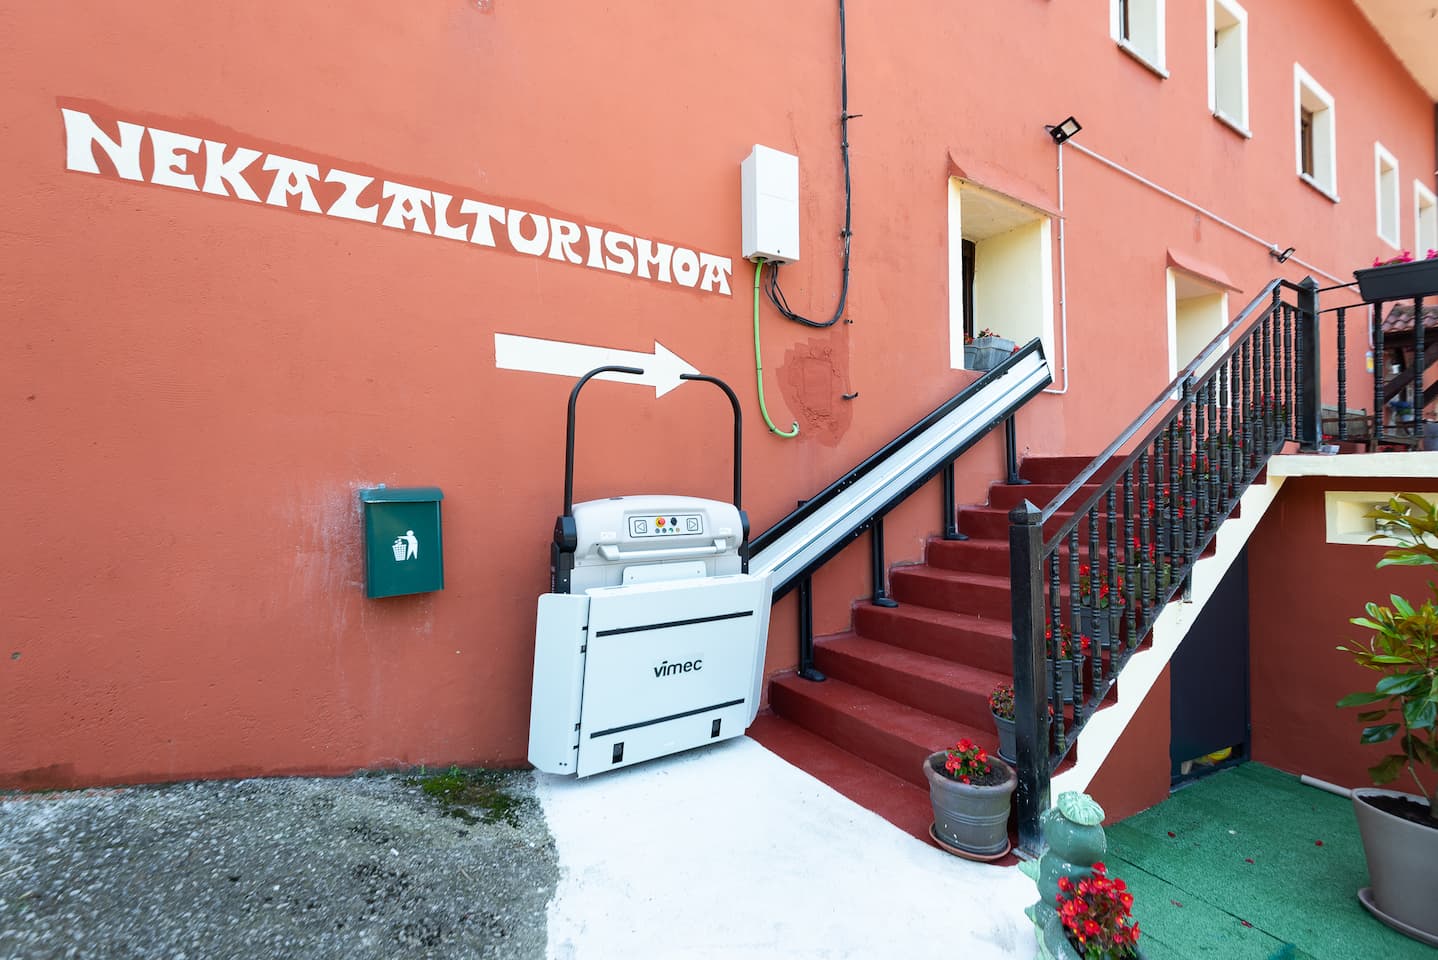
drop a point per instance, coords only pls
(360, 867)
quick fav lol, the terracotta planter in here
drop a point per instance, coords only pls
(1402, 866)
(1398, 281)
(969, 819)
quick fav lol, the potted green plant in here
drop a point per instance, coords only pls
(969, 792)
(986, 350)
(1400, 830)
(1399, 278)
(1001, 705)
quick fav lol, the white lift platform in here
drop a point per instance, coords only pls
(652, 638)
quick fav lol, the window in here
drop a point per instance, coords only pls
(1228, 63)
(1197, 312)
(1425, 219)
(1000, 268)
(1137, 27)
(1385, 177)
(1314, 134)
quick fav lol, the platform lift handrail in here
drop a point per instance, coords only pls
(566, 534)
(797, 546)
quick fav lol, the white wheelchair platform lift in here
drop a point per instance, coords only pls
(652, 637)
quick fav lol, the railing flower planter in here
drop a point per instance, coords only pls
(1398, 281)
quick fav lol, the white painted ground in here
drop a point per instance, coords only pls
(730, 852)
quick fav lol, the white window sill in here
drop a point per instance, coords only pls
(1142, 58)
(1318, 186)
(1392, 242)
(1233, 125)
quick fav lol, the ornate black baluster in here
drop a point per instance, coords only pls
(1051, 634)
(1145, 533)
(1074, 624)
(1113, 613)
(1342, 373)
(1225, 437)
(1215, 433)
(1175, 507)
(1161, 509)
(1188, 507)
(1245, 376)
(1380, 370)
(1130, 547)
(1266, 367)
(1286, 393)
(1291, 341)
(1203, 520)
(1419, 362)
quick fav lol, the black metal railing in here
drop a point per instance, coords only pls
(1093, 569)
(841, 530)
(1400, 389)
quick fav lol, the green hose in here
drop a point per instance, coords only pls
(759, 363)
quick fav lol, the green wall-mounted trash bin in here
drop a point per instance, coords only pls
(404, 551)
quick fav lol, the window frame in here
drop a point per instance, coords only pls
(1121, 29)
(1387, 199)
(1424, 199)
(1240, 17)
(1323, 133)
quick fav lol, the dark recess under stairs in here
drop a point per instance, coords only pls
(912, 679)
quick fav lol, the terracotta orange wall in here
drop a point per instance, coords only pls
(1135, 775)
(196, 387)
(1303, 591)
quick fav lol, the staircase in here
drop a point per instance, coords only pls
(912, 679)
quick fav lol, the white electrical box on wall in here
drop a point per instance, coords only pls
(771, 205)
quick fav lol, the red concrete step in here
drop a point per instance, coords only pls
(890, 735)
(1005, 497)
(938, 686)
(978, 594)
(897, 800)
(981, 555)
(978, 642)
(1061, 470)
(989, 523)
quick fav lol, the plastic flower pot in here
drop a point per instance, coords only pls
(1398, 281)
(1402, 865)
(1066, 676)
(1005, 727)
(970, 819)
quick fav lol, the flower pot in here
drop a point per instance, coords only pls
(985, 353)
(1005, 727)
(1066, 676)
(970, 819)
(1398, 281)
(1402, 866)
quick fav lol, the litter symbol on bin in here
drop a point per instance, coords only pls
(406, 547)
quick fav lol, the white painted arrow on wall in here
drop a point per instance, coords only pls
(661, 368)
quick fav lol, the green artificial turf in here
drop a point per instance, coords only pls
(1250, 863)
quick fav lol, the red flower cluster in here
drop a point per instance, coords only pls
(1064, 649)
(1095, 914)
(1404, 257)
(966, 760)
